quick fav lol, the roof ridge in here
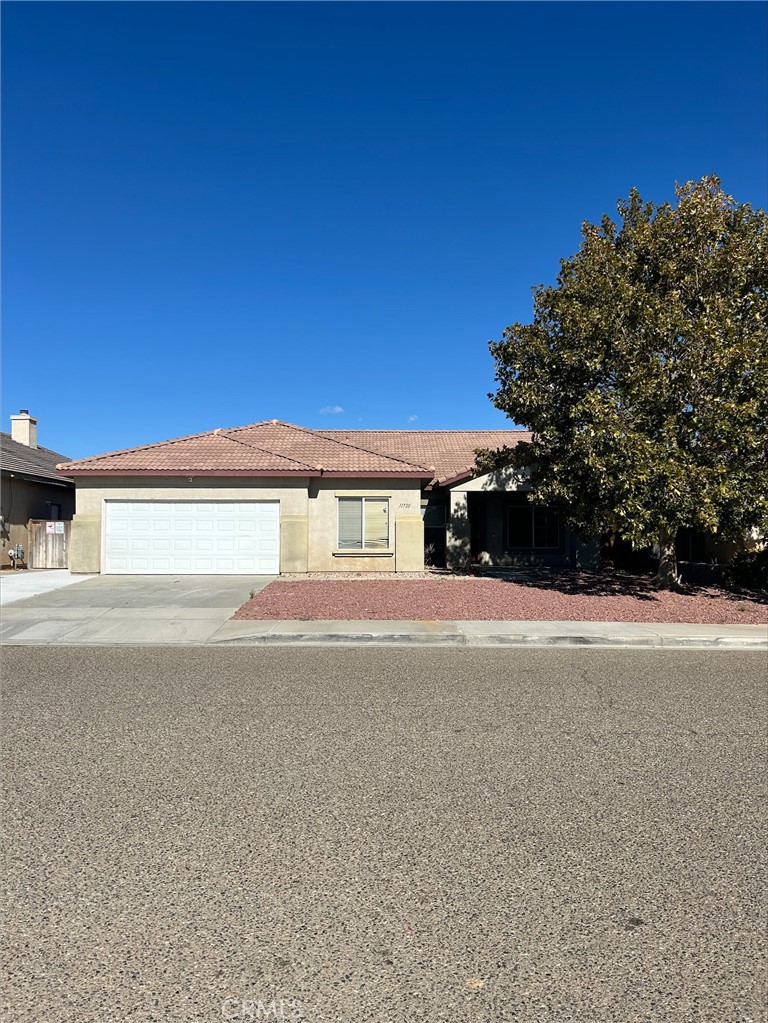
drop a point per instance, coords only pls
(500, 430)
(336, 440)
(171, 440)
(259, 422)
(381, 454)
(268, 451)
(40, 447)
(362, 442)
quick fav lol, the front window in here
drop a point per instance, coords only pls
(363, 523)
(434, 515)
(533, 526)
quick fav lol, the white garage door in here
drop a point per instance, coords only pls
(192, 537)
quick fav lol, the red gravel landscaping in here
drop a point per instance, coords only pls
(574, 597)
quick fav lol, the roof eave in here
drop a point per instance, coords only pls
(33, 477)
(260, 473)
(449, 481)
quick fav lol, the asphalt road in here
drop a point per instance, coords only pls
(383, 835)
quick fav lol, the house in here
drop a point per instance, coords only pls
(31, 487)
(273, 498)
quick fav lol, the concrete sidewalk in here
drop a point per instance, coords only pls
(27, 583)
(100, 626)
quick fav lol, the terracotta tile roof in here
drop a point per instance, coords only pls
(451, 453)
(259, 449)
(335, 454)
(37, 463)
(279, 448)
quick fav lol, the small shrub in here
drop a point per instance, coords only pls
(749, 570)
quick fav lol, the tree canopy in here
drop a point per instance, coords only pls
(644, 375)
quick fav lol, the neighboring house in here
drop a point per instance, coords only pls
(272, 497)
(31, 487)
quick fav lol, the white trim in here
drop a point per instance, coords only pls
(369, 552)
(365, 551)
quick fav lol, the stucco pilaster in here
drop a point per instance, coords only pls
(458, 549)
(409, 543)
(85, 544)
(293, 544)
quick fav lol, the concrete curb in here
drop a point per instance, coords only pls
(461, 640)
(163, 624)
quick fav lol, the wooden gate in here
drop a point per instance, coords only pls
(48, 543)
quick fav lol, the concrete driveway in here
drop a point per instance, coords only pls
(129, 609)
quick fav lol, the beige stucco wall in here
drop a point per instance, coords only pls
(459, 534)
(86, 543)
(308, 517)
(494, 552)
(502, 479)
(406, 535)
(457, 540)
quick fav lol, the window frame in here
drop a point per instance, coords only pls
(533, 546)
(428, 511)
(363, 550)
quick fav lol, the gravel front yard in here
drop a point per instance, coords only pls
(549, 597)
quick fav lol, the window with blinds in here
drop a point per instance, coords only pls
(363, 523)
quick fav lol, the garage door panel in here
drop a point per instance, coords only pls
(185, 537)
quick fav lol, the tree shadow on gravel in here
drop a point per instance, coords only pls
(577, 582)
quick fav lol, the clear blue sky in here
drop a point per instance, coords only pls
(217, 213)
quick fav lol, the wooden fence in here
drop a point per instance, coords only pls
(48, 543)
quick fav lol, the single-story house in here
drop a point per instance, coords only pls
(31, 487)
(275, 498)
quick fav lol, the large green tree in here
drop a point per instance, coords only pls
(644, 375)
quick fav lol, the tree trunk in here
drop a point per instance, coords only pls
(666, 575)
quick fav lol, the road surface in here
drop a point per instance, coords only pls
(384, 834)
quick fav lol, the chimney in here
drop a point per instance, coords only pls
(24, 428)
